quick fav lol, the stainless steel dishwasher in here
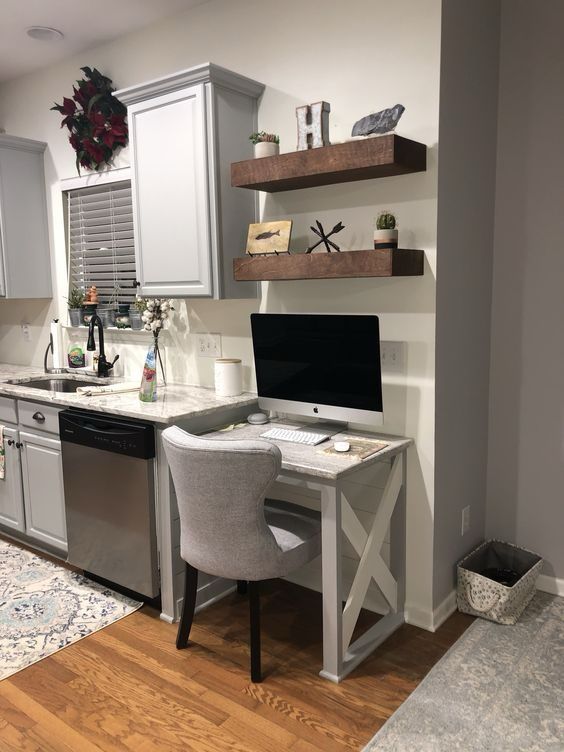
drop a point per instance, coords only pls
(108, 472)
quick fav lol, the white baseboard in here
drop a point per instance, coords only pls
(552, 585)
(431, 620)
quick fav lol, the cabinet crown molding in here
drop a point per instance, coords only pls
(21, 144)
(205, 73)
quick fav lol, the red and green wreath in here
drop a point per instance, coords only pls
(96, 120)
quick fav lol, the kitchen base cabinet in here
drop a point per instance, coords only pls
(11, 492)
(44, 497)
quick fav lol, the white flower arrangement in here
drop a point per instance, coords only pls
(156, 312)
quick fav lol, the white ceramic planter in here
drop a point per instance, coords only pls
(385, 238)
(266, 149)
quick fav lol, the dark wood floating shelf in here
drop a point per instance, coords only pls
(382, 263)
(377, 157)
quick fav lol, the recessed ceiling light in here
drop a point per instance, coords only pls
(44, 33)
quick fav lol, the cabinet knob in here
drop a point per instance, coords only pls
(135, 283)
(39, 417)
(19, 445)
(11, 442)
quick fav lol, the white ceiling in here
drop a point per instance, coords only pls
(84, 24)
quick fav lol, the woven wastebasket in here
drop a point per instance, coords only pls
(497, 581)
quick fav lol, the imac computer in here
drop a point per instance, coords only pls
(319, 365)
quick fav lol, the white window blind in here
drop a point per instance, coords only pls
(100, 236)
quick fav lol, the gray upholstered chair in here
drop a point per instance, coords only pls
(226, 527)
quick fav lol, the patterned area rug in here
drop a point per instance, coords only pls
(45, 607)
(498, 689)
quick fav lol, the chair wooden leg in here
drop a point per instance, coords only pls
(242, 587)
(254, 608)
(190, 592)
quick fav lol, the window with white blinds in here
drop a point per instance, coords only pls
(100, 237)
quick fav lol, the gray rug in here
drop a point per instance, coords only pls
(498, 689)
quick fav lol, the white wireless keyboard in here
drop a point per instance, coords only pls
(297, 437)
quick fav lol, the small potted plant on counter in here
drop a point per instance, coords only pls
(75, 301)
(385, 234)
(135, 312)
(266, 144)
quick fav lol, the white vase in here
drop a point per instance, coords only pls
(266, 149)
(385, 239)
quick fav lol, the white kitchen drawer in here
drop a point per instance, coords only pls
(8, 412)
(39, 416)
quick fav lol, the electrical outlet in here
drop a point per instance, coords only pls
(392, 356)
(26, 332)
(209, 345)
(465, 520)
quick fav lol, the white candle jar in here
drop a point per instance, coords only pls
(228, 377)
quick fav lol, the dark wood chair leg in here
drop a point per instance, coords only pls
(254, 608)
(190, 592)
(242, 587)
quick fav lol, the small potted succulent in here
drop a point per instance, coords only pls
(266, 144)
(385, 234)
(75, 301)
(135, 312)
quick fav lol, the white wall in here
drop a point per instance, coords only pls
(360, 56)
(467, 133)
(526, 447)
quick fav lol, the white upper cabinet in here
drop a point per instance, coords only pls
(25, 264)
(185, 130)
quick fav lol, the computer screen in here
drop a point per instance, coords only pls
(320, 365)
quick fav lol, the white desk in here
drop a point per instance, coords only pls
(307, 466)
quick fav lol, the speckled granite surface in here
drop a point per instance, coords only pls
(311, 460)
(176, 402)
(498, 689)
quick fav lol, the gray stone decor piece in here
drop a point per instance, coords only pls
(498, 689)
(379, 122)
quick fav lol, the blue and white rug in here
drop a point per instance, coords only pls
(45, 607)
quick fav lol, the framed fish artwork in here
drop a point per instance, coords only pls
(269, 237)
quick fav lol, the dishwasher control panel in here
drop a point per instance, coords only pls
(109, 433)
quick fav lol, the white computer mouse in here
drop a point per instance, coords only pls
(257, 419)
(341, 446)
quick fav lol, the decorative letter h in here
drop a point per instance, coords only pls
(313, 125)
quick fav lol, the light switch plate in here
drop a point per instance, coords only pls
(209, 345)
(26, 332)
(465, 527)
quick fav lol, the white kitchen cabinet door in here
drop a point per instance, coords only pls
(44, 496)
(11, 495)
(25, 262)
(170, 194)
(185, 130)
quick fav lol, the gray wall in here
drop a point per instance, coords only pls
(526, 448)
(467, 138)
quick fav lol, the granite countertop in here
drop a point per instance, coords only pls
(175, 402)
(312, 460)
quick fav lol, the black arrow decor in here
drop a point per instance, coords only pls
(320, 232)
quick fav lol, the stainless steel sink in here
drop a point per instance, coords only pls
(50, 384)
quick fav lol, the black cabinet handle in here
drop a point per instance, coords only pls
(135, 283)
(11, 442)
(19, 445)
(39, 417)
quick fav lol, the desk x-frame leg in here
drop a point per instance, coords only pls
(340, 657)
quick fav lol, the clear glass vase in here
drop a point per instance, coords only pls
(148, 388)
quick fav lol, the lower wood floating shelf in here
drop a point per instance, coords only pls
(399, 262)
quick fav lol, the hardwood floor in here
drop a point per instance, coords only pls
(128, 688)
